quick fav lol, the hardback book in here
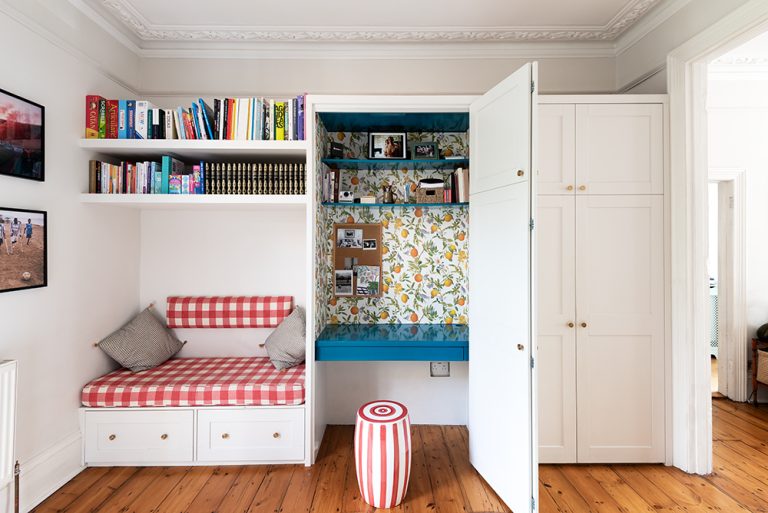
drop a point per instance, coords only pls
(242, 119)
(92, 103)
(170, 127)
(142, 118)
(206, 113)
(102, 118)
(279, 121)
(122, 119)
(170, 166)
(130, 117)
(113, 113)
(185, 184)
(174, 184)
(157, 178)
(301, 118)
(178, 117)
(195, 187)
(205, 172)
(93, 172)
(150, 124)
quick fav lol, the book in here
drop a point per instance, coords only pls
(207, 114)
(122, 119)
(301, 118)
(102, 118)
(92, 103)
(112, 121)
(170, 127)
(174, 184)
(170, 166)
(93, 171)
(142, 119)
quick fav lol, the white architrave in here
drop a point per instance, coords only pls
(687, 80)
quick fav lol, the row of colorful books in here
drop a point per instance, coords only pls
(171, 176)
(239, 119)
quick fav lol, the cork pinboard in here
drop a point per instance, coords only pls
(357, 260)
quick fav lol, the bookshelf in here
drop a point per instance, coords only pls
(195, 149)
(187, 201)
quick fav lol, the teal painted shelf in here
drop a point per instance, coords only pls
(400, 205)
(393, 342)
(395, 122)
(386, 164)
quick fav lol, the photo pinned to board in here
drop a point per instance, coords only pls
(349, 238)
(367, 280)
(342, 280)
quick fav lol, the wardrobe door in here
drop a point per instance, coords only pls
(556, 338)
(620, 328)
(557, 134)
(620, 149)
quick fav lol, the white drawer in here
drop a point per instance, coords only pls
(250, 435)
(139, 436)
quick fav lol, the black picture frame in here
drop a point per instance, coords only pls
(425, 151)
(16, 160)
(23, 256)
(377, 142)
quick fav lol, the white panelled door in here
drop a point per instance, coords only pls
(620, 324)
(501, 405)
(620, 149)
(556, 336)
(557, 165)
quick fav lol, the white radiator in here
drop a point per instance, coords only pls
(7, 420)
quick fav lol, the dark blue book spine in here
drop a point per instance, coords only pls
(130, 115)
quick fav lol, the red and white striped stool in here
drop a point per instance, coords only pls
(383, 452)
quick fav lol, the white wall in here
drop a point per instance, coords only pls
(93, 282)
(208, 252)
(641, 52)
(184, 77)
(429, 400)
(738, 123)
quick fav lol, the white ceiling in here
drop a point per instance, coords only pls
(146, 22)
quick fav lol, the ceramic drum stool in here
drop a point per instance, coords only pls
(383, 452)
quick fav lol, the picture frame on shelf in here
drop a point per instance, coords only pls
(387, 145)
(425, 151)
(23, 249)
(22, 137)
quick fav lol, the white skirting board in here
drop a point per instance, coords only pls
(6, 498)
(48, 471)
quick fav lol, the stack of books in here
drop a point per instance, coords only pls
(171, 176)
(459, 191)
(234, 119)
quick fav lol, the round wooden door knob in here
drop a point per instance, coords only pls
(520, 172)
(276, 435)
(571, 325)
(225, 436)
(583, 324)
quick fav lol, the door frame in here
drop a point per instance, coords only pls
(732, 327)
(687, 86)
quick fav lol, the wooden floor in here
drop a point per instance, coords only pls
(442, 481)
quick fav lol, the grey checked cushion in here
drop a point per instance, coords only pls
(286, 346)
(143, 343)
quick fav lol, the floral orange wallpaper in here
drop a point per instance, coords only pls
(425, 252)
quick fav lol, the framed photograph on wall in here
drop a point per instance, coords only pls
(425, 150)
(23, 249)
(386, 145)
(22, 133)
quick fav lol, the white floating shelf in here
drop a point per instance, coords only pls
(193, 201)
(198, 149)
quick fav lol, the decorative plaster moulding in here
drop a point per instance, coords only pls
(168, 37)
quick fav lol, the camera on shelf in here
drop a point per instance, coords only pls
(346, 197)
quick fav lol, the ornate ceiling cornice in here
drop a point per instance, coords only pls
(145, 31)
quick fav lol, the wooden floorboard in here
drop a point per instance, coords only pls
(442, 480)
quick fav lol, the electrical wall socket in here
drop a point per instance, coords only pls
(440, 369)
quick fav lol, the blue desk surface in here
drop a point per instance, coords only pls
(395, 342)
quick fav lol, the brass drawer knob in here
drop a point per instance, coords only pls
(520, 347)
(225, 436)
(520, 172)
(582, 187)
(276, 435)
(570, 325)
(569, 188)
(583, 324)
(112, 437)
(164, 436)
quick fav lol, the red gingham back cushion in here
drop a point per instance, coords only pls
(227, 311)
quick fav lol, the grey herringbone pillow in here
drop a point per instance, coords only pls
(141, 344)
(286, 346)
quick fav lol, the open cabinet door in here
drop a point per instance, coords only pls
(501, 393)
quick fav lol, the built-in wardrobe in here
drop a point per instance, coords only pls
(601, 288)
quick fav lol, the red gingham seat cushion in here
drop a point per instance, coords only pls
(199, 382)
(227, 311)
